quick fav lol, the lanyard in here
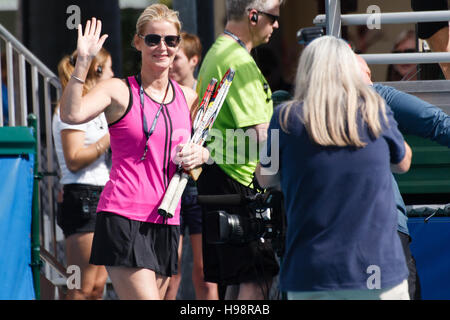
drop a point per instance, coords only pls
(147, 132)
(236, 38)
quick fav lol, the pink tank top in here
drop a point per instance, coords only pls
(136, 188)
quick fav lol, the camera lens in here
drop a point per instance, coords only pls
(236, 229)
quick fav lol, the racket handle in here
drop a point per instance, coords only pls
(168, 196)
(178, 193)
(195, 173)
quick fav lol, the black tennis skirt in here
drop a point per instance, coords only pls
(119, 241)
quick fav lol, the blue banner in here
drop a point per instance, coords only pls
(430, 247)
(16, 193)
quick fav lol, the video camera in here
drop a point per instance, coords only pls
(306, 35)
(268, 223)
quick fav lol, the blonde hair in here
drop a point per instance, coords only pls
(67, 65)
(329, 84)
(157, 12)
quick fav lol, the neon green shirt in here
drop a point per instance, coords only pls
(248, 103)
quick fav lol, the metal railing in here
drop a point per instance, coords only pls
(333, 20)
(384, 18)
(27, 75)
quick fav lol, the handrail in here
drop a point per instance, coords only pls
(50, 259)
(42, 94)
(333, 20)
(412, 58)
(30, 57)
(387, 18)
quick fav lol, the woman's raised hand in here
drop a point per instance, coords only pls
(90, 43)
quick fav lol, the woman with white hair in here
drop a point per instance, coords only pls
(338, 143)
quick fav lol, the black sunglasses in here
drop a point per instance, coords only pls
(273, 18)
(153, 40)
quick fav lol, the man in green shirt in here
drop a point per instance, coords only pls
(239, 129)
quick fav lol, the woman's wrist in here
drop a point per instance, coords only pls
(84, 60)
(205, 155)
(81, 68)
(99, 148)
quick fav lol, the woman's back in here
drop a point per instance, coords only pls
(340, 209)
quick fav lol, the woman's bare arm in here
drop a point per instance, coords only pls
(75, 108)
(76, 155)
(403, 166)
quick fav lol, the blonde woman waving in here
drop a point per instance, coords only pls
(149, 121)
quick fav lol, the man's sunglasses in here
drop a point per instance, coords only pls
(273, 18)
(153, 40)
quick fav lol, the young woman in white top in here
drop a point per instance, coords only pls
(81, 151)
